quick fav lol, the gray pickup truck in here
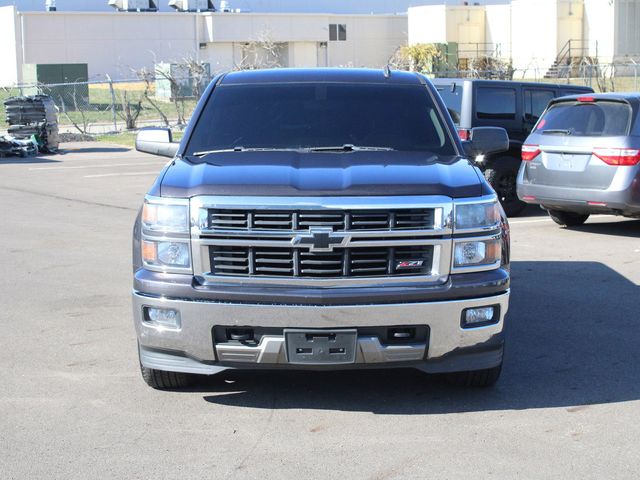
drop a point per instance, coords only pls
(320, 219)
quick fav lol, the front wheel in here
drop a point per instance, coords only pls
(503, 180)
(568, 219)
(475, 378)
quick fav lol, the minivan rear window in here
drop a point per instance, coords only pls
(308, 115)
(586, 119)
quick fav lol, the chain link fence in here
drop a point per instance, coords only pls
(612, 77)
(114, 106)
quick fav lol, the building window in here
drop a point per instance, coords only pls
(337, 32)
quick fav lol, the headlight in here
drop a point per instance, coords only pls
(160, 217)
(165, 235)
(477, 216)
(477, 253)
(170, 254)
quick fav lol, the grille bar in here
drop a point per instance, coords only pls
(417, 219)
(342, 262)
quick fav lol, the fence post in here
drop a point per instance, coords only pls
(113, 103)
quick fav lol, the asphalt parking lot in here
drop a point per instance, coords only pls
(73, 404)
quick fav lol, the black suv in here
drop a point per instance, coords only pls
(514, 106)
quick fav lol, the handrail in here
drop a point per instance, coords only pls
(571, 47)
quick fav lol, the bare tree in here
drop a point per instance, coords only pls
(131, 108)
(198, 74)
(604, 74)
(260, 53)
(148, 78)
(174, 83)
(81, 122)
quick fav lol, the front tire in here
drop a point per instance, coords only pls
(162, 380)
(475, 378)
(502, 176)
(568, 219)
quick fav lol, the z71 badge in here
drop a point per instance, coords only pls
(409, 264)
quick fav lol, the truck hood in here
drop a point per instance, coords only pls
(322, 174)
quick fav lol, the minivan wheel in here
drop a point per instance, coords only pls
(568, 219)
(162, 380)
(475, 378)
(503, 180)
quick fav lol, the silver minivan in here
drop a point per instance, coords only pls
(583, 157)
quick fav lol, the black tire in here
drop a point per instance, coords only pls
(502, 175)
(475, 378)
(162, 380)
(568, 219)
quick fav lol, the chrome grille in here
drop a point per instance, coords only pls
(321, 241)
(337, 220)
(298, 262)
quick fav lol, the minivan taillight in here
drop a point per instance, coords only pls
(529, 152)
(464, 134)
(623, 157)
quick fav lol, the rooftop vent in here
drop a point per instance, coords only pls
(192, 5)
(134, 5)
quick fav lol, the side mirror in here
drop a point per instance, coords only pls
(157, 141)
(487, 140)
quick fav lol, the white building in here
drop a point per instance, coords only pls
(533, 33)
(116, 43)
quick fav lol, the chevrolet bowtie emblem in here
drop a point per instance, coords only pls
(320, 240)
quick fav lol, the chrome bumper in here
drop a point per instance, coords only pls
(191, 348)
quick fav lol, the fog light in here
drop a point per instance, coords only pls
(162, 317)
(473, 317)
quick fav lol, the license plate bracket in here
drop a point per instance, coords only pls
(321, 347)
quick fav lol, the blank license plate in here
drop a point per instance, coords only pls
(321, 347)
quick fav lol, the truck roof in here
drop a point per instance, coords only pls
(300, 75)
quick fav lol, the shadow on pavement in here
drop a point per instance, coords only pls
(96, 149)
(27, 160)
(630, 228)
(572, 341)
(531, 211)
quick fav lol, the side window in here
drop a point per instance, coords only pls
(535, 101)
(496, 103)
(337, 32)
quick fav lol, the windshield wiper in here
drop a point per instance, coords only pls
(347, 147)
(204, 153)
(557, 131)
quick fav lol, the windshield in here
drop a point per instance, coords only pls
(452, 98)
(600, 118)
(312, 115)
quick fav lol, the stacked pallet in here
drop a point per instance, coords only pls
(33, 116)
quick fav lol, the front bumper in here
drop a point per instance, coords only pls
(192, 349)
